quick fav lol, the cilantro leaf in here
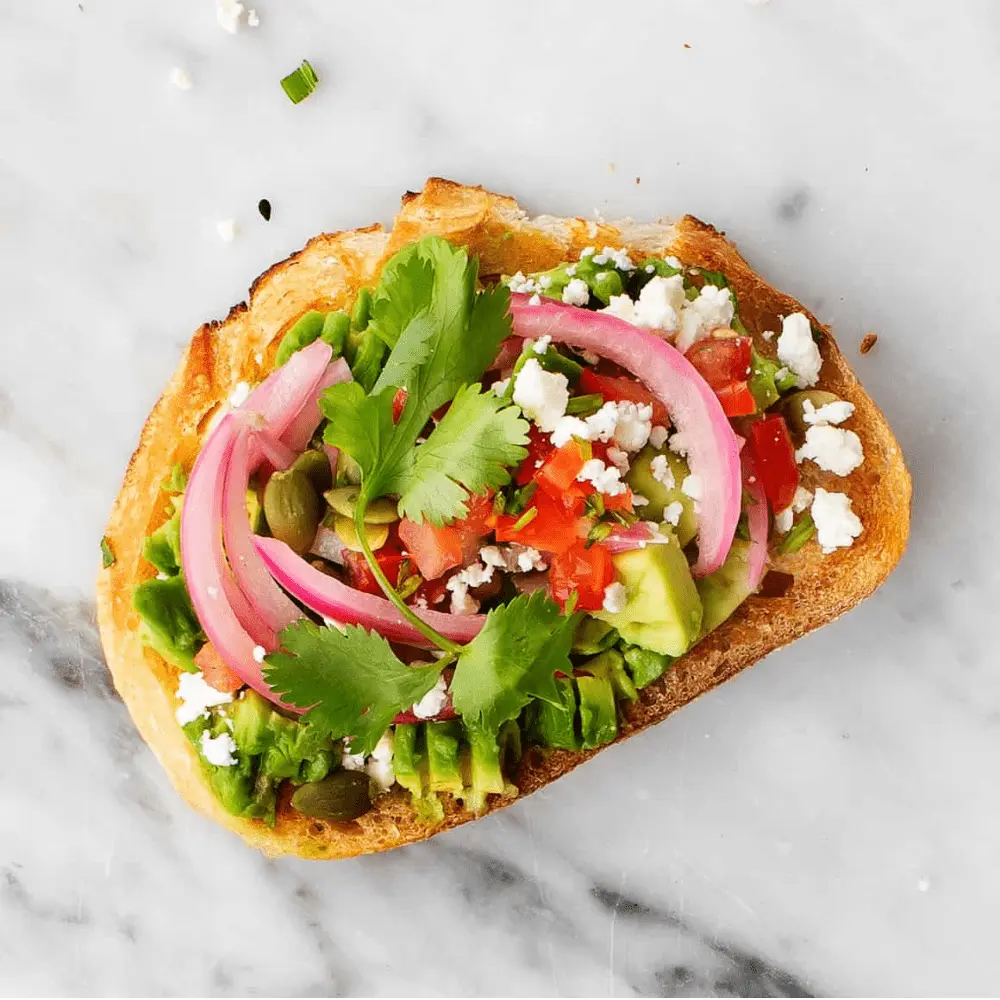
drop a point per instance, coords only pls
(351, 682)
(512, 660)
(361, 425)
(107, 553)
(403, 291)
(468, 452)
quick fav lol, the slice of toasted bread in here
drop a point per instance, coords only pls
(326, 274)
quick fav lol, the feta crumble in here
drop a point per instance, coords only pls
(713, 308)
(836, 523)
(535, 300)
(633, 425)
(576, 292)
(181, 78)
(253, 18)
(619, 459)
(218, 750)
(660, 469)
(832, 449)
(226, 228)
(678, 444)
(228, 13)
(783, 521)
(461, 602)
(519, 283)
(259, 652)
(615, 598)
(542, 344)
(801, 500)
(542, 395)
(568, 428)
(658, 436)
(432, 702)
(500, 387)
(672, 513)
(828, 413)
(197, 697)
(661, 303)
(798, 350)
(638, 500)
(606, 479)
(692, 487)
(620, 258)
(351, 761)
(380, 763)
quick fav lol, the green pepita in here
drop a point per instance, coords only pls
(316, 466)
(292, 509)
(377, 534)
(344, 500)
(341, 796)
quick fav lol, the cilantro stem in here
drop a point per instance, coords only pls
(405, 610)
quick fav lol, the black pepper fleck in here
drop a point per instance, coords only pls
(264, 207)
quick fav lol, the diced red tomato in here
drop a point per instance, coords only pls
(217, 674)
(775, 460)
(621, 388)
(623, 501)
(398, 403)
(737, 400)
(438, 549)
(359, 574)
(584, 572)
(555, 528)
(558, 475)
(721, 360)
(539, 449)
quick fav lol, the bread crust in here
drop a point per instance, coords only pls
(327, 274)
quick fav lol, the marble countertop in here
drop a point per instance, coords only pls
(826, 823)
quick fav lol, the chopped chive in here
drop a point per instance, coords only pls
(598, 533)
(580, 406)
(299, 84)
(594, 505)
(520, 497)
(800, 533)
(525, 519)
(107, 556)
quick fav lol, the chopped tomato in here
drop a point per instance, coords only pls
(584, 572)
(623, 501)
(558, 475)
(721, 361)
(398, 403)
(621, 388)
(539, 449)
(737, 400)
(555, 528)
(217, 674)
(359, 574)
(775, 459)
(438, 549)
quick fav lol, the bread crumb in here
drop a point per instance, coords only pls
(638, 179)
(686, 45)
(868, 341)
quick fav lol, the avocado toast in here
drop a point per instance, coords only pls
(441, 512)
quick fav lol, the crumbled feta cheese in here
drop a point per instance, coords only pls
(542, 344)
(492, 555)
(461, 602)
(798, 350)
(228, 14)
(351, 761)
(542, 395)
(420, 603)
(576, 292)
(622, 307)
(197, 697)
(535, 300)
(620, 258)
(226, 228)
(181, 78)
(801, 500)
(660, 304)
(692, 487)
(568, 428)
(615, 598)
(259, 652)
(162, 576)
(259, 358)
(544, 282)
(781, 374)
(783, 521)
(828, 413)
(571, 270)
(602, 424)
(432, 702)
(619, 459)
(836, 523)
(650, 269)
(587, 252)
(253, 18)
(768, 335)
(832, 449)
(678, 444)
(519, 283)
(638, 500)
(500, 386)
(218, 750)
(633, 426)
(674, 263)
(672, 512)
(660, 469)
(658, 436)
(528, 559)
(606, 479)
(713, 308)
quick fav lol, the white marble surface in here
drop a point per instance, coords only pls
(825, 823)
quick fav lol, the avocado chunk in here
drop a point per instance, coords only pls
(251, 717)
(644, 665)
(663, 611)
(444, 768)
(485, 769)
(169, 624)
(640, 479)
(555, 725)
(598, 715)
(611, 664)
(593, 637)
(727, 588)
(408, 756)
